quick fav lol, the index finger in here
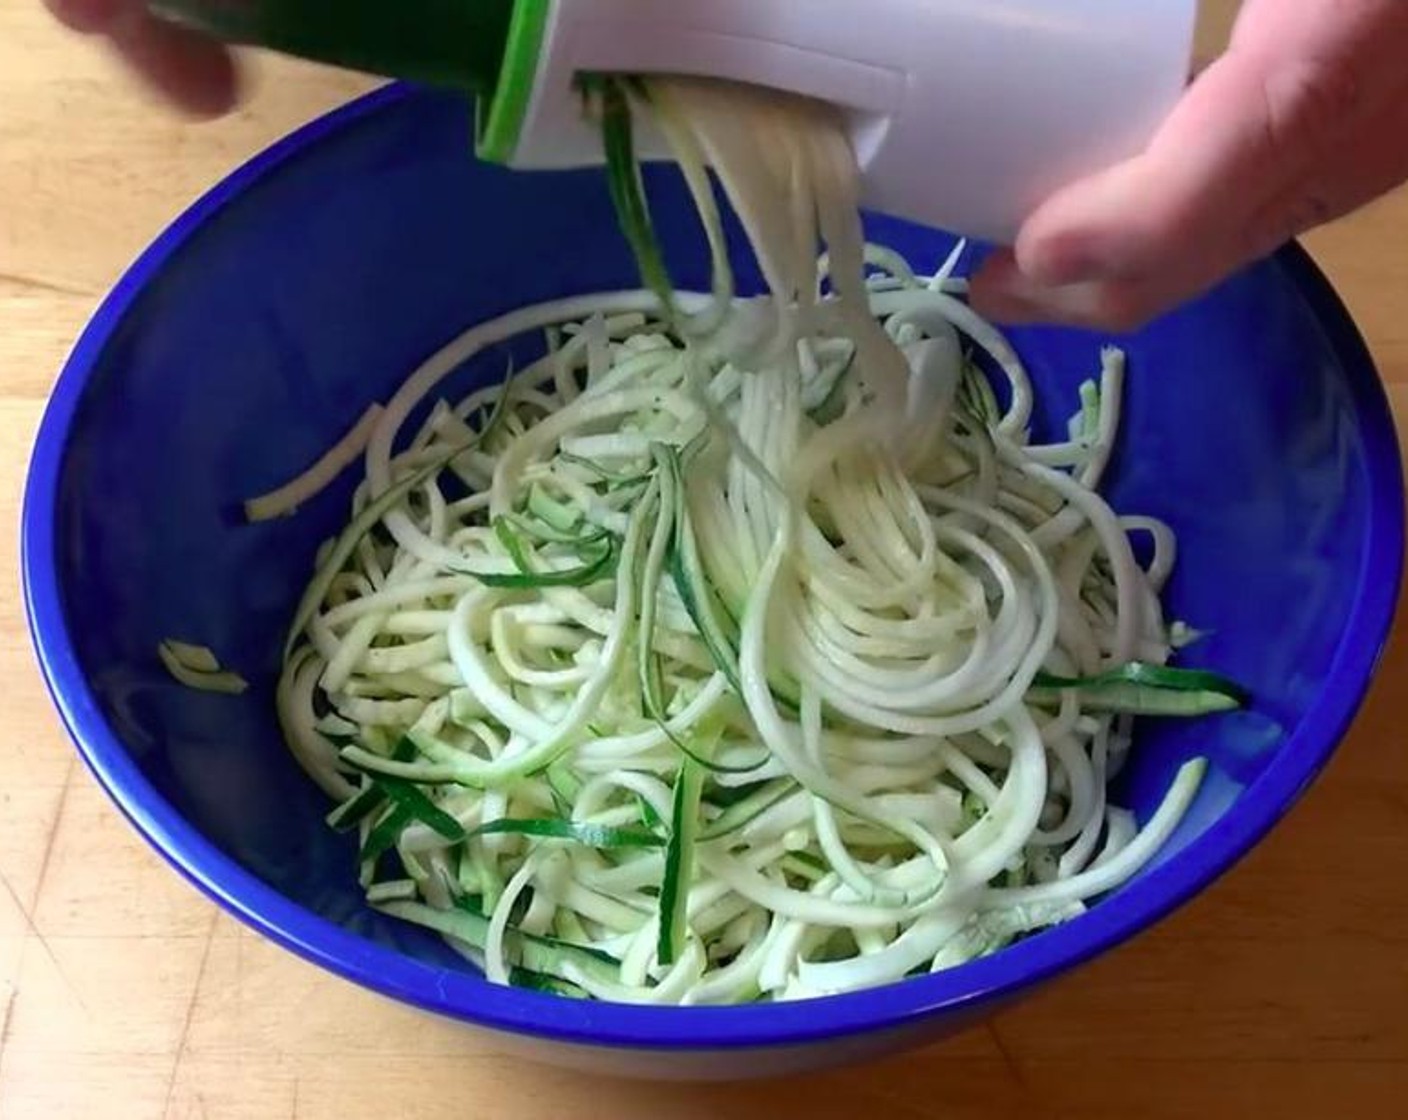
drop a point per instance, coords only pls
(90, 16)
(1242, 163)
(195, 72)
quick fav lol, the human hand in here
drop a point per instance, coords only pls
(196, 73)
(1303, 120)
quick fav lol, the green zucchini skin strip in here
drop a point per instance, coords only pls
(352, 812)
(738, 814)
(384, 835)
(665, 553)
(584, 575)
(679, 863)
(543, 955)
(627, 190)
(405, 794)
(588, 835)
(532, 981)
(692, 585)
(647, 665)
(1146, 689)
(1142, 701)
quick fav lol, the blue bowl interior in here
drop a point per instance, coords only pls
(263, 327)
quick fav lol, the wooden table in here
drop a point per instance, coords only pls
(124, 995)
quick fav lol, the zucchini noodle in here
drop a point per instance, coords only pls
(737, 649)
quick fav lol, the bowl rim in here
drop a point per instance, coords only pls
(470, 999)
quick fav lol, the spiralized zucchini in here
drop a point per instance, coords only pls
(739, 650)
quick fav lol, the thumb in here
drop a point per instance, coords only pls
(1229, 177)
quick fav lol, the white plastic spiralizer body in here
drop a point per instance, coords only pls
(964, 114)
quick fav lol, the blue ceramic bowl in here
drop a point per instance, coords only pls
(307, 285)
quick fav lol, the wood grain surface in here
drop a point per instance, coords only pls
(124, 995)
